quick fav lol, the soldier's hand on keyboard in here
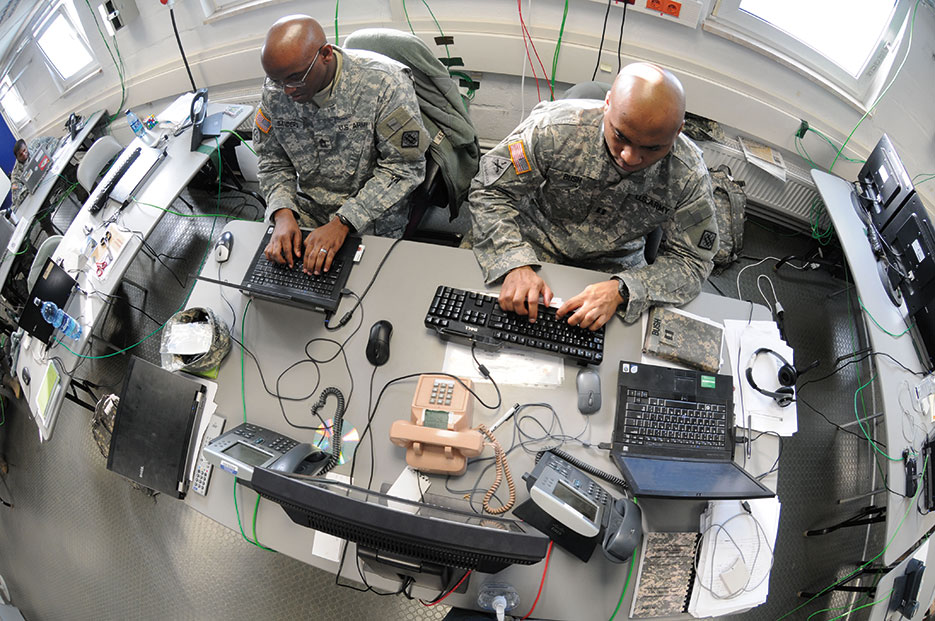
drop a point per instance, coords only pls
(322, 245)
(285, 244)
(521, 290)
(594, 306)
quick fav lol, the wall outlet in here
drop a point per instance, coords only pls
(684, 12)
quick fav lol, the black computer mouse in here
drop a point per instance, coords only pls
(589, 390)
(223, 247)
(378, 346)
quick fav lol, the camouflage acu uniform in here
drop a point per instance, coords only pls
(357, 149)
(17, 188)
(550, 192)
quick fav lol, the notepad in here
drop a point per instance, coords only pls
(665, 574)
(675, 335)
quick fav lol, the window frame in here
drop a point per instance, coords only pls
(7, 86)
(215, 10)
(728, 20)
(63, 10)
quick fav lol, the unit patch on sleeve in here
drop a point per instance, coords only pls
(410, 139)
(518, 156)
(492, 168)
(262, 123)
(707, 240)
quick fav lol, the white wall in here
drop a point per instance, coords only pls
(723, 80)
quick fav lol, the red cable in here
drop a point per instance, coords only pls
(455, 588)
(545, 74)
(547, 555)
(526, 46)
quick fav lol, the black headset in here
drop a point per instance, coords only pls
(787, 376)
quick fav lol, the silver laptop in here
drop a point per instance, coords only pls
(38, 165)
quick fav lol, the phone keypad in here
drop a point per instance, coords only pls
(442, 391)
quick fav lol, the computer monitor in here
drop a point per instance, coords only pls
(416, 538)
(884, 183)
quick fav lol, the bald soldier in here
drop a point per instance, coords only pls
(582, 183)
(342, 126)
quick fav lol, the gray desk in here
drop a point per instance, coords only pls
(28, 209)
(167, 181)
(277, 334)
(836, 193)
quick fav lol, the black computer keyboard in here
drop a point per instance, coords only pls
(658, 421)
(269, 273)
(110, 181)
(478, 317)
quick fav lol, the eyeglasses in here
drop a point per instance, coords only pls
(295, 83)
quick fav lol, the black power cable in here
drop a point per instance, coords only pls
(181, 50)
(623, 20)
(601, 47)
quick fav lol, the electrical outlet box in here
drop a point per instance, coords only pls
(117, 13)
(684, 12)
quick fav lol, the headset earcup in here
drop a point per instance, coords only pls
(784, 396)
(787, 375)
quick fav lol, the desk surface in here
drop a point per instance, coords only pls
(836, 193)
(276, 334)
(138, 218)
(27, 211)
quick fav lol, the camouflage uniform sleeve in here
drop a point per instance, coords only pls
(401, 145)
(508, 177)
(685, 259)
(275, 172)
(17, 189)
(48, 144)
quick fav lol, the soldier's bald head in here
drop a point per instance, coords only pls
(643, 114)
(290, 38)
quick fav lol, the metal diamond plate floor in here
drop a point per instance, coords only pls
(81, 544)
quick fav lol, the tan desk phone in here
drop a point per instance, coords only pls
(438, 435)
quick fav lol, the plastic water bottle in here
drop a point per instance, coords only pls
(59, 319)
(498, 597)
(137, 126)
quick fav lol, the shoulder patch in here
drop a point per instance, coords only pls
(262, 123)
(518, 157)
(492, 168)
(707, 240)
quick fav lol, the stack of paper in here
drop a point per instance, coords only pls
(735, 556)
(743, 339)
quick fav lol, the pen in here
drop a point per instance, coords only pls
(504, 418)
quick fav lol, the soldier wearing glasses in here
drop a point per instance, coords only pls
(342, 126)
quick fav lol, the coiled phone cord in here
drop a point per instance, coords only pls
(503, 470)
(337, 425)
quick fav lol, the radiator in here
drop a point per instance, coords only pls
(786, 203)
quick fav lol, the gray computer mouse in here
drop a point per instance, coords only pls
(223, 247)
(589, 390)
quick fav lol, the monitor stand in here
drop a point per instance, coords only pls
(889, 279)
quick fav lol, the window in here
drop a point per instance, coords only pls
(848, 43)
(64, 48)
(12, 103)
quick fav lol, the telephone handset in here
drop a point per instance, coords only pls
(438, 436)
(570, 496)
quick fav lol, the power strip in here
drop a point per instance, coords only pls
(684, 12)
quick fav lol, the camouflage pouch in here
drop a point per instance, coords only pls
(731, 205)
(674, 336)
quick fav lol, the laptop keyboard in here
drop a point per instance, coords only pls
(478, 317)
(657, 421)
(270, 274)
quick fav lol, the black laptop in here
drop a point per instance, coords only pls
(280, 283)
(53, 285)
(673, 435)
(152, 438)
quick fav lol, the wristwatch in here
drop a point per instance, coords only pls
(622, 291)
(345, 222)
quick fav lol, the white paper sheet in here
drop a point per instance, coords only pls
(765, 414)
(506, 366)
(755, 537)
